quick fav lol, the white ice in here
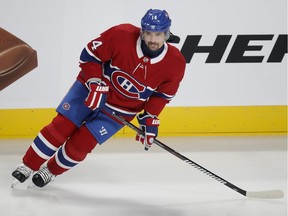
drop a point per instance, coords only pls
(119, 178)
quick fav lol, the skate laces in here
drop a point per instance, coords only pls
(45, 174)
(22, 168)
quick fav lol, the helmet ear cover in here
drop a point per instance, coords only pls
(156, 20)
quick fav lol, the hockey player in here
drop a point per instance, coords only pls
(126, 70)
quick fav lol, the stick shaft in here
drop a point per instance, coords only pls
(183, 158)
(270, 194)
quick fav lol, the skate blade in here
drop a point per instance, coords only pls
(14, 183)
(31, 186)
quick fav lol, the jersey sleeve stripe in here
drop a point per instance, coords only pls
(88, 56)
(163, 95)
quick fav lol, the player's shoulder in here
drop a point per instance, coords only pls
(175, 53)
(125, 28)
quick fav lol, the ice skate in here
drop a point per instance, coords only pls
(21, 174)
(42, 177)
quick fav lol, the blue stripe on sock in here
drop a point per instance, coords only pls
(63, 160)
(43, 148)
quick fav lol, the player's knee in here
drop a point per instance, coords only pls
(61, 127)
(81, 143)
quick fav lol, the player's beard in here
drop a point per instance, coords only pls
(153, 46)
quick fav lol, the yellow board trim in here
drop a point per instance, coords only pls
(175, 121)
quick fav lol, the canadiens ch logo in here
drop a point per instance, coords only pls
(127, 85)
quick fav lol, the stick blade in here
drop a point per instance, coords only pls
(272, 194)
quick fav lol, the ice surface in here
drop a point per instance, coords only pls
(120, 178)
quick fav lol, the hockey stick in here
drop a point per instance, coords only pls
(271, 194)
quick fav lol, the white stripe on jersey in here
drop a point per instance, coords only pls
(120, 110)
(92, 54)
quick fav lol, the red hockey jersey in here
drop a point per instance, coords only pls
(135, 81)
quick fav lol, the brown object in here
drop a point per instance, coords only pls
(17, 58)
